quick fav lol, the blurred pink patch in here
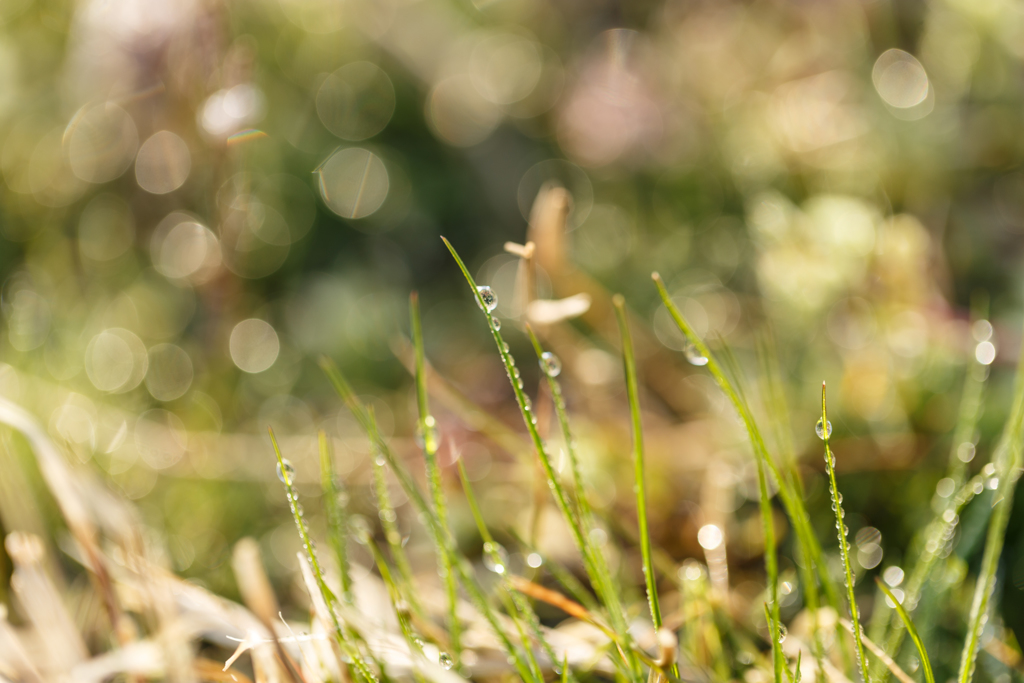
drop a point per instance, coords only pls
(610, 112)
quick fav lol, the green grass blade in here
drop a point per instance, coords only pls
(529, 418)
(932, 537)
(343, 639)
(632, 391)
(389, 521)
(430, 444)
(926, 663)
(401, 614)
(428, 515)
(1007, 460)
(777, 656)
(791, 500)
(762, 460)
(844, 549)
(336, 509)
(581, 519)
(515, 605)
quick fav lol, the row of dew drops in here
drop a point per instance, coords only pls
(495, 559)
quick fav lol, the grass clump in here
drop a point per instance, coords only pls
(489, 615)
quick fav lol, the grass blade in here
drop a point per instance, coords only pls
(427, 514)
(529, 418)
(791, 499)
(344, 641)
(499, 565)
(429, 440)
(888, 662)
(336, 508)
(934, 536)
(926, 663)
(844, 549)
(581, 518)
(773, 631)
(629, 365)
(1007, 460)
(389, 521)
(760, 458)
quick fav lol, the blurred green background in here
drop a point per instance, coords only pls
(200, 197)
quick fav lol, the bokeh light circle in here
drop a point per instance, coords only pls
(163, 163)
(900, 79)
(170, 372)
(254, 345)
(101, 142)
(354, 182)
(356, 101)
(116, 360)
(458, 114)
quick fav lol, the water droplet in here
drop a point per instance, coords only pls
(823, 433)
(992, 484)
(783, 632)
(496, 323)
(488, 296)
(515, 372)
(495, 557)
(446, 661)
(387, 515)
(550, 365)
(289, 469)
(379, 459)
(427, 437)
(534, 560)
(504, 346)
(966, 451)
(694, 356)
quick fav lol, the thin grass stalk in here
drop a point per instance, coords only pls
(582, 520)
(761, 457)
(389, 521)
(430, 444)
(880, 655)
(336, 508)
(778, 408)
(343, 638)
(1008, 463)
(774, 630)
(926, 663)
(401, 612)
(936, 534)
(632, 393)
(791, 499)
(515, 605)
(571, 584)
(530, 419)
(777, 404)
(844, 549)
(428, 515)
